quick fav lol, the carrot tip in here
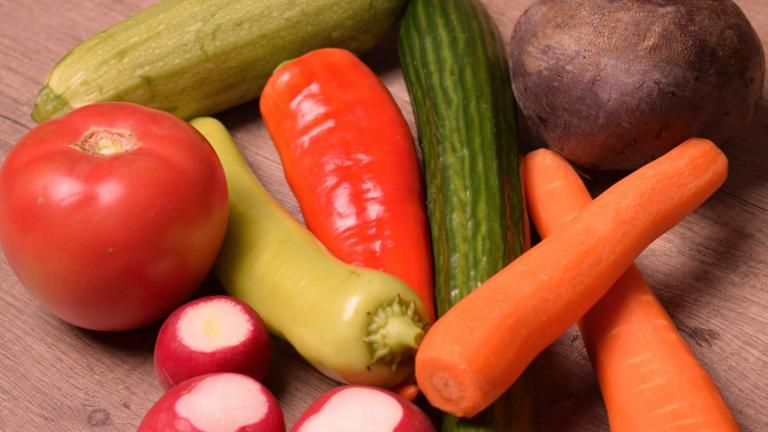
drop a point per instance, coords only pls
(447, 386)
(450, 390)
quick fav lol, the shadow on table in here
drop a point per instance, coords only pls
(142, 341)
(567, 395)
(737, 210)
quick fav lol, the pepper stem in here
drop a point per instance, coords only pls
(394, 332)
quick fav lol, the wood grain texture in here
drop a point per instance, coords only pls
(711, 271)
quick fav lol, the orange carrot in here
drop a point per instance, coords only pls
(480, 346)
(648, 375)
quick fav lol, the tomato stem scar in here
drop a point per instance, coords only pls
(107, 142)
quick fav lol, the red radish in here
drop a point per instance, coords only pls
(357, 408)
(211, 334)
(218, 402)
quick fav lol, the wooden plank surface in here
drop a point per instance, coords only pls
(711, 271)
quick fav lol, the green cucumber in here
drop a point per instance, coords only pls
(456, 72)
(197, 57)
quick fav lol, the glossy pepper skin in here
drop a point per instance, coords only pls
(354, 324)
(349, 158)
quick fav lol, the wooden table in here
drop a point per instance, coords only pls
(710, 272)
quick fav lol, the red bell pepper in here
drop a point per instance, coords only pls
(349, 157)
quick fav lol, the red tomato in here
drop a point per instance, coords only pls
(112, 214)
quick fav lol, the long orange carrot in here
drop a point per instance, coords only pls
(650, 379)
(481, 345)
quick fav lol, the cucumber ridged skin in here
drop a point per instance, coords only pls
(198, 57)
(456, 72)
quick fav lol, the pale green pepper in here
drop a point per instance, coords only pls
(353, 324)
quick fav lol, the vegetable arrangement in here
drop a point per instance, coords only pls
(648, 375)
(113, 213)
(481, 345)
(457, 74)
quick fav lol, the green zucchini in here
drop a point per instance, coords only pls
(197, 57)
(457, 75)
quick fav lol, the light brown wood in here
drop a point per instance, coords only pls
(711, 272)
